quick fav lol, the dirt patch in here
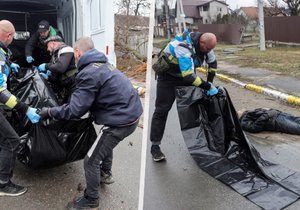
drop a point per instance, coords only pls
(132, 66)
(272, 59)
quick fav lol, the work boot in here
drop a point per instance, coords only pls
(11, 189)
(157, 155)
(83, 203)
(106, 177)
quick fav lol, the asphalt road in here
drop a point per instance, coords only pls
(178, 183)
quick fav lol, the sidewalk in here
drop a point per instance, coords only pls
(286, 88)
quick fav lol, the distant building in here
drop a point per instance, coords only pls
(251, 15)
(196, 12)
(203, 11)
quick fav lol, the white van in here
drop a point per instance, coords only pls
(74, 18)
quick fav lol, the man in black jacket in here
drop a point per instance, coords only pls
(36, 48)
(9, 139)
(61, 70)
(113, 102)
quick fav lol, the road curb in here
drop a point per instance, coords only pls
(259, 89)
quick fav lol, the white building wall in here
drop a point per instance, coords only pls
(215, 8)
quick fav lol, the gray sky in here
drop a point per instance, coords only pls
(234, 4)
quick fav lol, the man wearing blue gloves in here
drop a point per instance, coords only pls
(183, 54)
(112, 101)
(36, 48)
(61, 70)
(9, 139)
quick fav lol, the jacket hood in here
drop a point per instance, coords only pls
(3, 47)
(195, 36)
(91, 56)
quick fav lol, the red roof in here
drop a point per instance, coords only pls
(251, 12)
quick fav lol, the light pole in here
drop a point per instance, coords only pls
(167, 18)
(261, 25)
(180, 16)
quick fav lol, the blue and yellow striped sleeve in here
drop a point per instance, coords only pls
(186, 66)
(7, 98)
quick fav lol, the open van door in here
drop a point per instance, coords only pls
(98, 23)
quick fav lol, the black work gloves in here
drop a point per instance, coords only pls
(45, 113)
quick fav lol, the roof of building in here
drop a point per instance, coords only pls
(250, 12)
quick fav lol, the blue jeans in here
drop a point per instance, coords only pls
(287, 123)
(101, 152)
(9, 142)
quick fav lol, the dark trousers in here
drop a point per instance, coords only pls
(165, 97)
(101, 152)
(9, 142)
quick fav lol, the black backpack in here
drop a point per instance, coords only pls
(162, 64)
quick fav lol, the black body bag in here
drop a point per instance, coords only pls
(45, 145)
(216, 141)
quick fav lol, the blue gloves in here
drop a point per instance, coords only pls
(14, 67)
(42, 67)
(46, 75)
(29, 59)
(32, 115)
(212, 91)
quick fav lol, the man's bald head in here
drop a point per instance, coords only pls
(207, 42)
(7, 31)
(81, 46)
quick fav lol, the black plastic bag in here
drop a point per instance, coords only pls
(216, 142)
(45, 145)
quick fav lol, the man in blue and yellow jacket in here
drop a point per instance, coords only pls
(9, 139)
(184, 53)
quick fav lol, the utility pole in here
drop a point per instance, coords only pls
(167, 18)
(180, 16)
(262, 44)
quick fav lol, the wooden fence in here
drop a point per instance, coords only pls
(283, 29)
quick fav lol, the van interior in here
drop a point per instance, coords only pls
(26, 14)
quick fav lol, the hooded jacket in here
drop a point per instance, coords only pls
(5, 96)
(104, 91)
(184, 56)
(261, 119)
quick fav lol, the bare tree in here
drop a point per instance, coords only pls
(140, 6)
(274, 8)
(132, 7)
(294, 6)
